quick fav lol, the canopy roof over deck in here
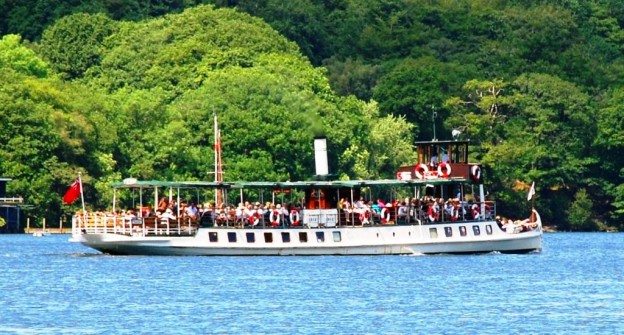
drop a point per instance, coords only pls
(146, 184)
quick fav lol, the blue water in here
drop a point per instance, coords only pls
(51, 286)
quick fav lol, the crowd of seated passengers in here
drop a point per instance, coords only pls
(426, 209)
(251, 214)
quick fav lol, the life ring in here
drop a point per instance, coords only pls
(294, 218)
(444, 170)
(476, 212)
(455, 212)
(421, 171)
(275, 218)
(254, 219)
(364, 216)
(475, 173)
(432, 212)
(385, 215)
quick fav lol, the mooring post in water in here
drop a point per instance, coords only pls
(28, 225)
(43, 231)
(60, 225)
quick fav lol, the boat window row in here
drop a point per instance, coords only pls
(448, 231)
(250, 237)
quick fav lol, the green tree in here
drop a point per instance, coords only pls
(73, 44)
(21, 59)
(609, 144)
(414, 89)
(580, 212)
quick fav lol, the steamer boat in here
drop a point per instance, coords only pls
(435, 206)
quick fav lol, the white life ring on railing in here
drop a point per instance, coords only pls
(385, 215)
(294, 218)
(455, 212)
(364, 216)
(254, 219)
(444, 170)
(476, 212)
(432, 212)
(421, 171)
(475, 173)
(275, 218)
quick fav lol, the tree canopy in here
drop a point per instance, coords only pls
(128, 88)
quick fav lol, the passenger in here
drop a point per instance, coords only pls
(445, 157)
(168, 215)
(381, 203)
(499, 222)
(510, 227)
(163, 204)
(375, 207)
(360, 204)
(240, 212)
(253, 217)
(434, 160)
(403, 212)
(448, 209)
(192, 211)
(525, 225)
(285, 214)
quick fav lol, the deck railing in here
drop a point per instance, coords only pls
(94, 223)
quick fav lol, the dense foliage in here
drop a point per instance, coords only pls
(122, 88)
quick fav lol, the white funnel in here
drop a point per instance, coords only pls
(320, 156)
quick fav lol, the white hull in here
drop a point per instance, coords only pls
(375, 240)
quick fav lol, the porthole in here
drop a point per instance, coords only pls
(433, 232)
(285, 237)
(448, 231)
(303, 237)
(462, 231)
(320, 236)
(337, 236)
(251, 237)
(213, 236)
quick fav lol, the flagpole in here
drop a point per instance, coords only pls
(84, 211)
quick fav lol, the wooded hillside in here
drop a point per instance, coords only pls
(116, 89)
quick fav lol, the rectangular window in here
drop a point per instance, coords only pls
(476, 230)
(320, 236)
(213, 236)
(232, 236)
(462, 230)
(337, 237)
(448, 231)
(268, 237)
(433, 232)
(285, 237)
(488, 229)
(251, 237)
(303, 237)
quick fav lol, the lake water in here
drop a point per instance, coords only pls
(51, 286)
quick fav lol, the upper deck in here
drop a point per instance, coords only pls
(446, 159)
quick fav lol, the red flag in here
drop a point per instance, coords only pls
(73, 192)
